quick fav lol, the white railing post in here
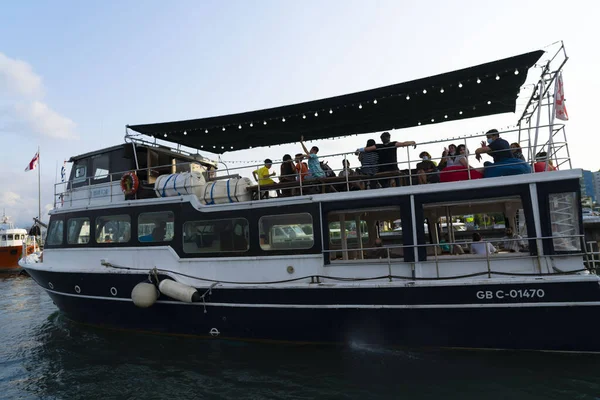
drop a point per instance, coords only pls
(487, 259)
(467, 157)
(346, 173)
(409, 169)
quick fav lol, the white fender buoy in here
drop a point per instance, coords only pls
(179, 291)
(144, 294)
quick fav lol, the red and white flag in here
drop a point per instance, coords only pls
(560, 110)
(33, 163)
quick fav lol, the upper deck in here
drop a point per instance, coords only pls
(481, 90)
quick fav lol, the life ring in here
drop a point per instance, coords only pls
(129, 183)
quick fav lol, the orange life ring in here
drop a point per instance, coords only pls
(129, 183)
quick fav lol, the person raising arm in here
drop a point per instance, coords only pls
(314, 167)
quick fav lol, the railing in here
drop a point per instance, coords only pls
(385, 254)
(406, 174)
(555, 157)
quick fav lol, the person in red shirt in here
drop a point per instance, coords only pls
(301, 167)
(540, 164)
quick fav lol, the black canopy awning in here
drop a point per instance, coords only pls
(485, 89)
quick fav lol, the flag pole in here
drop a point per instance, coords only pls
(39, 187)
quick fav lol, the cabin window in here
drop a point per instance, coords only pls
(156, 226)
(78, 230)
(113, 229)
(215, 236)
(80, 171)
(55, 233)
(10, 236)
(564, 220)
(286, 232)
(100, 166)
(450, 228)
(4, 237)
(366, 233)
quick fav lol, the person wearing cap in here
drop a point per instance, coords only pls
(427, 169)
(388, 158)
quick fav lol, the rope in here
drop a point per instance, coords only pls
(164, 191)
(343, 279)
(209, 292)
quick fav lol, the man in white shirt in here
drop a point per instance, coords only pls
(512, 242)
(479, 247)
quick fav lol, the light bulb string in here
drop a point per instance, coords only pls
(408, 95)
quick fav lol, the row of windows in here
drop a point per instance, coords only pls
(16, 236)
(152, 227)
(276, 232)
(349, 231)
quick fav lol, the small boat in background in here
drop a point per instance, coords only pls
(12, 242)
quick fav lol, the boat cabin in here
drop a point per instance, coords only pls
(95, 176)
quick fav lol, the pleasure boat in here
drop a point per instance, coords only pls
(150, 237)
(14, 243)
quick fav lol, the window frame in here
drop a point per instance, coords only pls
(80, 228)
(207, 222)
(51, 230)
(98, 229)
(100, 159)
(171, 219)
(282, 216)
(576, 218)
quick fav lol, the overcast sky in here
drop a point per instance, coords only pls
(73, 74)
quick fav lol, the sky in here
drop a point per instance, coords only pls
(73, 74)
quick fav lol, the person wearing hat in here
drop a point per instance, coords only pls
(388, 158)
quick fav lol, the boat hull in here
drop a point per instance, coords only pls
(9, 258)
(439, 316)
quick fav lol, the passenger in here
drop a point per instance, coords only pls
(262, 175)
(450, 249)
(462, 156)
(512, 242)
(348, 172)
(369, 165)
(314, 167)
(287, 174)
(427, 169)
(158, 234)
(516, 151)
(301, 168)
(388, 157)
(540, 163)
(326, 169)
(448, 157)
(504, 162)
(460, 170)
(107, 239)
(479, 247)
(379, 251)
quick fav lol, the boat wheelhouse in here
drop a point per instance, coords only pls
(331, 264)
